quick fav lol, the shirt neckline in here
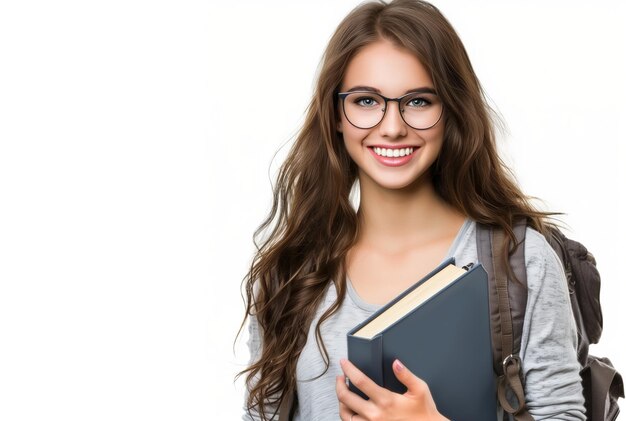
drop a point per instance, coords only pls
(373, 307)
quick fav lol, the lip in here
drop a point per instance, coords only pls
(393, 146)
(393, 161)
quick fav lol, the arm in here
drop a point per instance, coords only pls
(553, 385)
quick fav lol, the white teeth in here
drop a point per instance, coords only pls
(393, 152)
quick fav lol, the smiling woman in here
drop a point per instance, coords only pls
(399, 111)
(415, 120)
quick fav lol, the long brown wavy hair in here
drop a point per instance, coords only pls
(315, 223)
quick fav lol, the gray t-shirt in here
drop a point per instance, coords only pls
(548, 347)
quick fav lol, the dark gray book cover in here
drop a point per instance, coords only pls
(446, 341)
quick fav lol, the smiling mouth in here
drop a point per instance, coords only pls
(392, 153)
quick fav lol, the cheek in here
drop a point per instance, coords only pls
(436, 145)
(436, 137)
(353, 143)
(352, 136)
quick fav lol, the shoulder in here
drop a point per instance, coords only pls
(544, 269)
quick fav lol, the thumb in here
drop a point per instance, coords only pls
(414, 384)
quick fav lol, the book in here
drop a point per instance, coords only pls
(439, 329)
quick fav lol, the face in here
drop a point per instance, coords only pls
(393, 71)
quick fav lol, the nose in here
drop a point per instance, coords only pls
(392, 124)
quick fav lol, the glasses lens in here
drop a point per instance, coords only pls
(366, 109)
(421, 111)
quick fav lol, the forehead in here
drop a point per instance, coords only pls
(382, 65)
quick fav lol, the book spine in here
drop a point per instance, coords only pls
(367, 356)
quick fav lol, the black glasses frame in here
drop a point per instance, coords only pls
(343, 95)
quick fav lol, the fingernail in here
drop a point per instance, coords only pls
(342, 361)
(399, 365)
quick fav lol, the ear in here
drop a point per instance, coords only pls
(339, 126)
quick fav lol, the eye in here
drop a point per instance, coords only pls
(365, 101)
(418, 102)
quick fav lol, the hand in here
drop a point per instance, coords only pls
(416, 404)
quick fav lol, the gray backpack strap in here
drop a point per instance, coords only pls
(507, 304)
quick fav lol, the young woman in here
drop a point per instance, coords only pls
(398, 109)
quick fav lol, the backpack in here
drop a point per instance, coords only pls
(602, 384)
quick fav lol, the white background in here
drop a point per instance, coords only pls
(137, 145)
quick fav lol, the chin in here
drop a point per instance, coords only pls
(398, 184)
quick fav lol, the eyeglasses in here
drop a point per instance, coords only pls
(365, 109)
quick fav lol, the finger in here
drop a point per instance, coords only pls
(349, 401)
(343, 408)
(363, 383)
(350, 416)
(414, 384)
(345, 413)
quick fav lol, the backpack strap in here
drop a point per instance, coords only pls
(507, 303)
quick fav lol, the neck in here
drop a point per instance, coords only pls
(397, 219)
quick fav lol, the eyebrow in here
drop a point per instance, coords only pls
(423, 89)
